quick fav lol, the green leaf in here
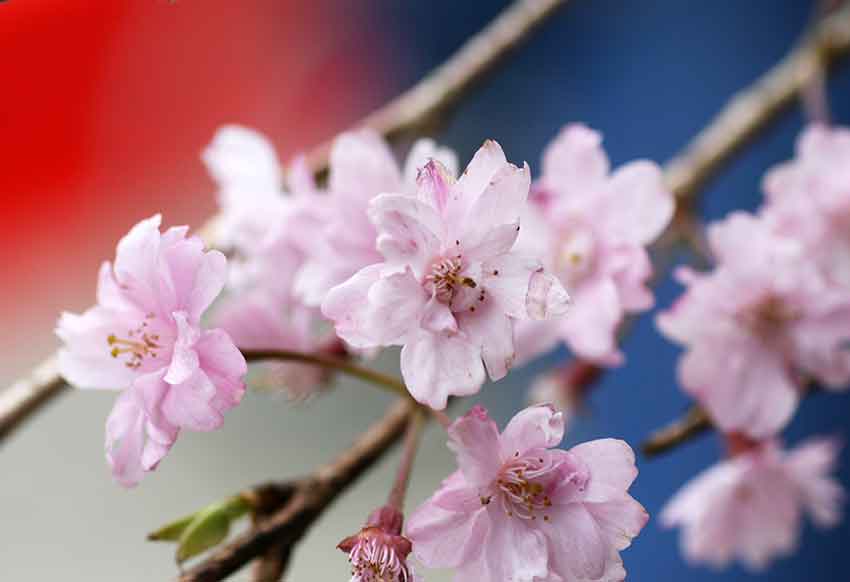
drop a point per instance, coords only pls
(172, 531)
(209, 527)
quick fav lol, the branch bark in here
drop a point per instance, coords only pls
(312, 496)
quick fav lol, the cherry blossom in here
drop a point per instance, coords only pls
(378, 553)
(756, 326)
(251, 185)
(267, 216)
(592, 226)
(750, 506)
(519, 509)
(809, 199)
(144, 337)
(450, 285)
(361, 167)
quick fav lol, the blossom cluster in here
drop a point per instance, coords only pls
(471, 274)
(768, 323)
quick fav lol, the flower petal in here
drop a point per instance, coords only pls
(474, 438)
(408, 231)
(435, 366)
(612, 468)
(535, 427)
(347, 306)
(639, 205)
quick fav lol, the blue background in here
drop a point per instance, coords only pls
(649, 75)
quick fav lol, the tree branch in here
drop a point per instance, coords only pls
(312, 496)
(681, 430)
(331, 363)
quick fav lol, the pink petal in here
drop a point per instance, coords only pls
(433, 182)
(639, 204)
(580, 550)
(474, 438)
(575, 159)
(513, 550)
(547, 298)
(362, 166)
(507, 278)
(502, 202)
(243, 159)
(491, 329)
(184, 359)
(612, 468)
(408, 231)
(745, 387)
(85, 360)
(209, 280)
(224, 365)
(488, 160)
(137, 263)
(396, 303)
(347, 304)
(591, 325)
(446, 539)
(435, 366)
(536, 427)
(424, 150)
(438, 318)
(125, 440)
(811, 464)
(533, 339)
(620, 520)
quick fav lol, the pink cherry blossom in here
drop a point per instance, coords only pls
(809, 198)
(144, 337)
(450, 285)
(378, 553)
(251, 181)
(519, 509)
(268, 228)
(592, 227)
(750, 507)
(361, 167)
(755, 325)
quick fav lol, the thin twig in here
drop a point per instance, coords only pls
(423, 106)
(405, 466)
(312, 497)
(331, 363)
(693, 424)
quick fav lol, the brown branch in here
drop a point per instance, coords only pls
(693, 424)
(330, 363)
(423, 106)
(312, 496)
(29, 394)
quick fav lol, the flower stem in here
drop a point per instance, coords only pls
(382, 380)
(408, 454)
(442, 418)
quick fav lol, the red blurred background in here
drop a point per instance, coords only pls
(106, 106)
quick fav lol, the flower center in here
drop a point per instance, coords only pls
(769, 317)
(524, 486)
(575, 255)
(373, 561)
(138, 345)
(445, 279)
